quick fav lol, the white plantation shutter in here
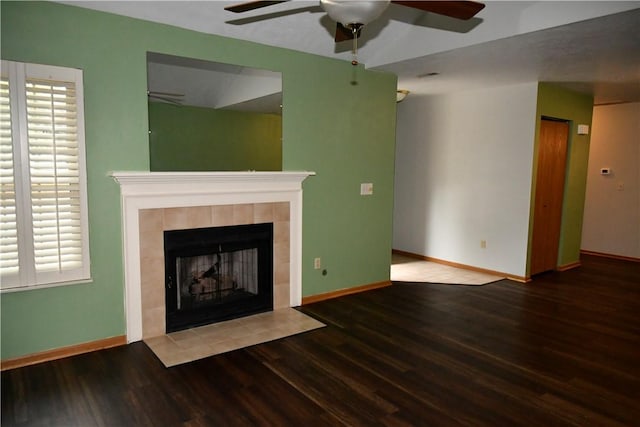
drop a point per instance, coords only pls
(51, 195)
(55, 179)
(8, 226)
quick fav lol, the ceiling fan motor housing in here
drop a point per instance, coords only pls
(349, 12)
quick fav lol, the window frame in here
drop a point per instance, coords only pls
(27, 278)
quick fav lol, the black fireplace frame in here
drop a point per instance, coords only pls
(211, 241)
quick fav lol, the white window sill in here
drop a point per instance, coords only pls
(44, 286)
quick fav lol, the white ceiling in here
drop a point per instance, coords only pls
(600, 56)
(591, 46)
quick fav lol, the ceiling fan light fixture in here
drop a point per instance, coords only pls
(401, 94)
(349, 12)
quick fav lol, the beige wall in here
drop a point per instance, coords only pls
(612, 207)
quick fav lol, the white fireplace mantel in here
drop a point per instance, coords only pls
(208, 182)
(150, 190)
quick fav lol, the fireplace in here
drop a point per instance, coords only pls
(154, 202)
(217, 273)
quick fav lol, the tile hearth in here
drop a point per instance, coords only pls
(197, 343)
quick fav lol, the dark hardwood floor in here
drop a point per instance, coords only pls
(562, 350)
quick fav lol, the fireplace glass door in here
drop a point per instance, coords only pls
(217, 273)
(216, 278)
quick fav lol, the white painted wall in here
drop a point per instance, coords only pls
(463, 174)
(612, 216)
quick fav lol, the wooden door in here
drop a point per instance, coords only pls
(547, 216)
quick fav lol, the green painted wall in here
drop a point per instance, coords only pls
(338, 120)
(577, 108)
(185, 138)
(349, 139)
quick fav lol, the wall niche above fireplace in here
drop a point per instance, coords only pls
(217, 273)
(212, 116)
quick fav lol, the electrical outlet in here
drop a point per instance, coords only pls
(483, 244)
(366, 189)
(317, 264)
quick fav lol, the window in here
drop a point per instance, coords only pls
(43, 203)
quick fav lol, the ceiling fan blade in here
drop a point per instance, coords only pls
(251, 5)
(343, 33)
(273, 15)
(173, 98)
(169, 94)
(454, 9)
(166, 99)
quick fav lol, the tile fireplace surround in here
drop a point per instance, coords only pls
(153, 202)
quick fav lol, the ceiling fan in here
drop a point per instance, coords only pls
(352, 15)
